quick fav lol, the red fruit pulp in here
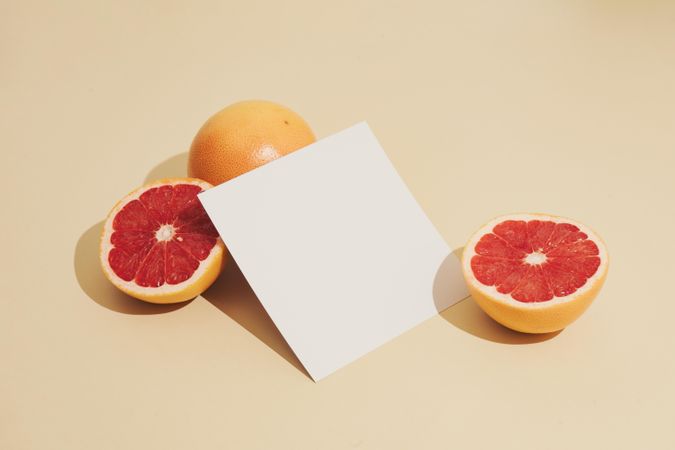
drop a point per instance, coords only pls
(161, 237)
(535, 260)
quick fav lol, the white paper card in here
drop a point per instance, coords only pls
(335, 247)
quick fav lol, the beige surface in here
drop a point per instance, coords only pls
(484, 107)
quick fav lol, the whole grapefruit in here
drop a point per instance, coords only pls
(244, 136)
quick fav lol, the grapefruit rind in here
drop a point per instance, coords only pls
(243, 136)
(201, 279)
(534, 317)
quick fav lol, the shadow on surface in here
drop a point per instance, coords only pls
(232, 294)
(176, 166)
(467, 315)
(97, 287)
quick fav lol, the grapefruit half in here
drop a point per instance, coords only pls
(158, 244)
(534, 273)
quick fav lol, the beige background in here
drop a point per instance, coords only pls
(565, 107)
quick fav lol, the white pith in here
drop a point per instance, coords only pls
(166, 288)
(535, 258)
(165, 232)
(491, 291)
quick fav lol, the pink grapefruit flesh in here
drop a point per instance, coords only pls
(535, 260)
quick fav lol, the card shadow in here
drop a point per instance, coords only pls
(96, 286)
(467, 315)
(232, 295)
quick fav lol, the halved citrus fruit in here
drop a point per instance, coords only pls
(534, 273)
(159, 245)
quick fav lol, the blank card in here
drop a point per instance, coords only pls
(336, 248)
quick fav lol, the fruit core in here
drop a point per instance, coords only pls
(535, 260)
(165, 232)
